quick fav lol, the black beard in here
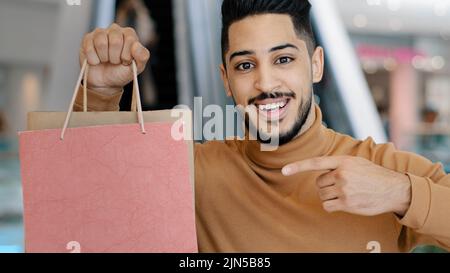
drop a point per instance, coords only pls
(291, 134)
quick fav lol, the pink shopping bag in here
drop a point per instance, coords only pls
(125, 187)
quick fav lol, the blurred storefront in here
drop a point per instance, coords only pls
(404, 50)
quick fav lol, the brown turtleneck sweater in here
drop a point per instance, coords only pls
(245, 204)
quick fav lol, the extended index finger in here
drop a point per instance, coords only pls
(327, 163)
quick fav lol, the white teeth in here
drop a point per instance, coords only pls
(272, 106)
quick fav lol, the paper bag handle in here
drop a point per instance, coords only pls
(85, 102)
(136, 101)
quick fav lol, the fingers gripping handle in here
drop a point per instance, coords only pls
(83, 74)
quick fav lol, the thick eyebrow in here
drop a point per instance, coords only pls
(249, 52)
(241, 53)
(280, 47)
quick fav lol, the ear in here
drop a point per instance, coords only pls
(226, 85)
(318, 64)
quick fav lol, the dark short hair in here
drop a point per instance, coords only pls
(298, 10)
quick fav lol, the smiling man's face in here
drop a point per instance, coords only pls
(268, 66)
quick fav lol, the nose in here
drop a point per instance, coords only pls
(266, 80)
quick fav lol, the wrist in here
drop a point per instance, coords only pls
(100, 100)
(107, 91)
(402, 196)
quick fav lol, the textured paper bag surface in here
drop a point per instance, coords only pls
(107, 189)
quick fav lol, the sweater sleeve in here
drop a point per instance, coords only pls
(98, 102)
(429, 211)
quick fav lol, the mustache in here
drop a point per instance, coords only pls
(272, 95)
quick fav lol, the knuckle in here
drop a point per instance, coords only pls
(130, 39)
(89, 50)
(340, 193)
(342, 188)
(115, 42)
(99, 30)
(126, 57)
(130, 31)
(87, 37)
(339, 174)
(101, 43)
(87, 40)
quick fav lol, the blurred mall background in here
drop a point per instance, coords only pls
(387, 74)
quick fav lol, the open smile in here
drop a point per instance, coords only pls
(273, 109)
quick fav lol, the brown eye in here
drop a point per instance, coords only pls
(244, 66)
(284, 60)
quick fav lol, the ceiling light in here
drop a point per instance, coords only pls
(418, 62)
(437, 62)
(360, 21)
(390, 64)
(370, 67)
(394, 5)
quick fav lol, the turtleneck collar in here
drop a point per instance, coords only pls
(312, 143)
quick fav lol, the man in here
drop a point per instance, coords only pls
(320, 190)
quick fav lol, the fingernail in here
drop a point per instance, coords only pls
(286, 171)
